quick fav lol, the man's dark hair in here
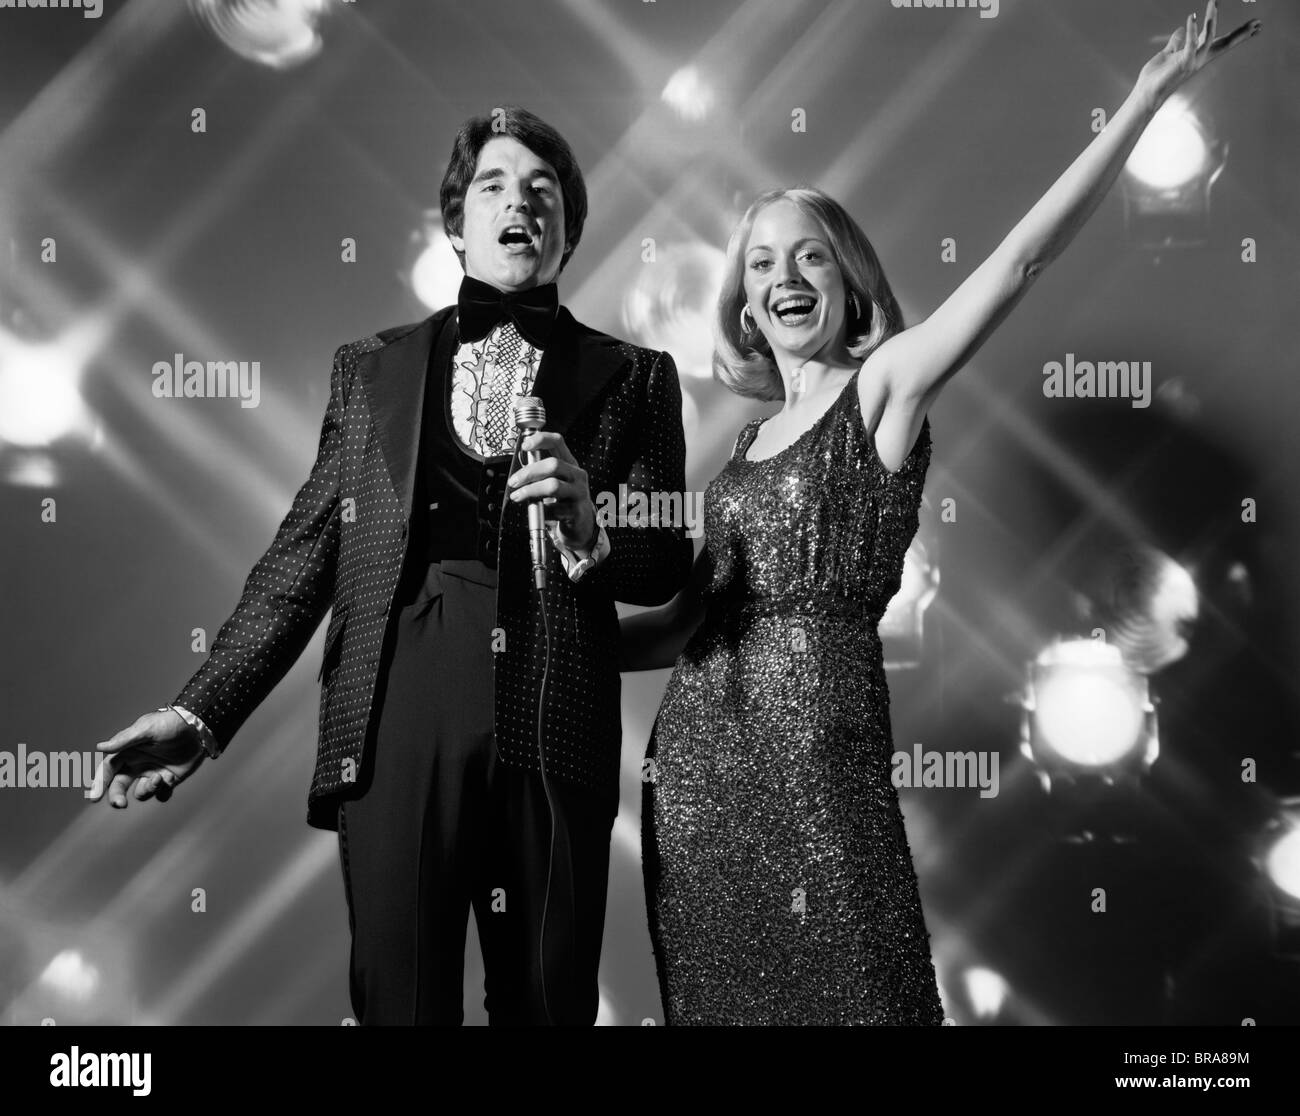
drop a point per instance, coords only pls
(536, 135)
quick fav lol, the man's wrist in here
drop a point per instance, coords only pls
(589, 547)
(599, 552)
(582, 549)
(578, 560)
(207, 741)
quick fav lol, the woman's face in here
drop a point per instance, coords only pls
(793, 284)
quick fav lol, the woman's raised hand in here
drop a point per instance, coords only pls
(1188, 51)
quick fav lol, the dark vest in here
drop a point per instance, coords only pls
(459, 494)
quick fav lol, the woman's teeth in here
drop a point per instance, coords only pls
(794, 311)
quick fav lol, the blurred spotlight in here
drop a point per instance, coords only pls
(689, 95)
(1238, 579)
(902, 627)
(29, 469)
(670, 304)
(40, 400)
(70, 975)
(986, 990)
(275, 33)
(75, 975)
(1085, 713)
(1168, 179)
(436, 272)
(1172, 151)
(1280, 860)
(1142, 602)
(1176, 397)
(691, 128)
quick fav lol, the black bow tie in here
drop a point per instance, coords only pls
(481, 307)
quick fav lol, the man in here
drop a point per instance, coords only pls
(436, 654)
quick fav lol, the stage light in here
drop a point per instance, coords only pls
(1085, 712)
(1172, 151)
(40, 401)
(75, 975)
(29, 469)
(436, 273)
(1168, 179)
(70, 975)
(275, 33)
(689, 95)
(1277, 857)
(986, 990)
(1282, 862)
(1142, 602)
(1176, 397)
(670, 304)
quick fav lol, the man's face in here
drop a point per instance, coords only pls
(512, 228)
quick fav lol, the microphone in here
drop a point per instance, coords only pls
(530, 418)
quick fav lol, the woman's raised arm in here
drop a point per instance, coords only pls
(916, 363)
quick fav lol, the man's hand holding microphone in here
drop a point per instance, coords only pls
(558, 483)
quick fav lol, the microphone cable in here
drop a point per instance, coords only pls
(546, 783)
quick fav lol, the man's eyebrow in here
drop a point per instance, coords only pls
(490, 173)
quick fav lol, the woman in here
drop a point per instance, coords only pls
(779, 880)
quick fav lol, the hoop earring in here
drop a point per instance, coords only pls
(753, 325)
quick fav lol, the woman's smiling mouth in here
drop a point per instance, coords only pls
(793, 310)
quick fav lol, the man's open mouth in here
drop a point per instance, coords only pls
(515, 236)
(794, 309)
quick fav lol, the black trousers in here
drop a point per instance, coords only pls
(441, 825)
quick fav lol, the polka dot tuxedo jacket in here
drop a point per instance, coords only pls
(342, 545)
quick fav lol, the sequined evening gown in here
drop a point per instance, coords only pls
(779, 880)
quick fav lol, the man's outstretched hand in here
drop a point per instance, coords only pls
(156, 753)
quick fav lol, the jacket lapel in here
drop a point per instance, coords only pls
(576, 366)
(394, 381)
(574, 370)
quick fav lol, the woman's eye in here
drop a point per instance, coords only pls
(758, 265)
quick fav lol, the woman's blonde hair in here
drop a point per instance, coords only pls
(742, 359)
